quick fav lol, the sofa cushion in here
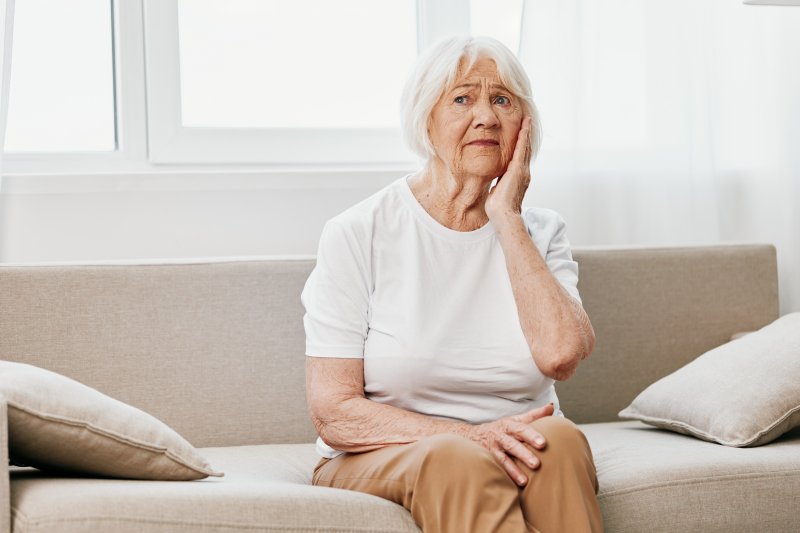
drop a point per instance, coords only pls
(265, 488)
(56, 423)
(657, 481)
(742, 393)
(650, 480)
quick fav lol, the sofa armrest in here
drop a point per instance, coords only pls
(5, 484)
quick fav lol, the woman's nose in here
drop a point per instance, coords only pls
(484, 115)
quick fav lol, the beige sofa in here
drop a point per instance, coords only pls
(214, 348)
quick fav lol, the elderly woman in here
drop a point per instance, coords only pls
(441, 312)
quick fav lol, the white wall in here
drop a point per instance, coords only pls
(100, 217)
(156, 215)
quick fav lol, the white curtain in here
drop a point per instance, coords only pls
(669, 123)
(6, 35)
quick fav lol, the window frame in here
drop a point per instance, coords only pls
(150, 137)
(129, 109)
(170, 142)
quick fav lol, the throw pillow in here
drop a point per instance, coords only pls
(56, 423)
(743, 393)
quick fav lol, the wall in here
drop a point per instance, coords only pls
(100, 217)
(156, 215)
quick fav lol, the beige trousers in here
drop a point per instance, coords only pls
(451, 484)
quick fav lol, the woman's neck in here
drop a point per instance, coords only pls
(455, 202)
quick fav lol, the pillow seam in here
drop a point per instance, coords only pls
(713, 438)
(115, 436)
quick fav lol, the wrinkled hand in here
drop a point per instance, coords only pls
(505, 438)
(506, 196)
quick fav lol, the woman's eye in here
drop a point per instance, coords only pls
(460, 99)
(502, 100)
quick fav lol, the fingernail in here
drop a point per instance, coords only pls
(539, 440)
(521, 480)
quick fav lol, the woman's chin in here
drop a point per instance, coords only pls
(489, 172)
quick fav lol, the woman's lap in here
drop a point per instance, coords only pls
(416, 475)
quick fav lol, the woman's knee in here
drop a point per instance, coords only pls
(566, 445)
(460, 487)
(561, 432)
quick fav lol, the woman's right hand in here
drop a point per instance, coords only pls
(504, 438)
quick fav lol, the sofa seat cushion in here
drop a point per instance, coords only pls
(651, 480)
(265, 488)
(656, 480)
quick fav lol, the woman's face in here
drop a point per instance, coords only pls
(474, 125)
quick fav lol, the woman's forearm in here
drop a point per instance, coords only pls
(360, 425)
(348, 421)
(555, 325)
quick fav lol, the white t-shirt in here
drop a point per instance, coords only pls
(429, 309)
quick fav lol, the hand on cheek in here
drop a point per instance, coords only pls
(506, 197)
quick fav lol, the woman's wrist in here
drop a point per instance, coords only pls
(508, 223)
(465, 430)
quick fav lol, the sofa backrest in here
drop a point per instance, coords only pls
(215, 347)
(656, 309)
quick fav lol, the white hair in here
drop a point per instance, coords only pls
(437, 69)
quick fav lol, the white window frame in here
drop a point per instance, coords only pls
(170, 142)
(129, 106)
(151, 140)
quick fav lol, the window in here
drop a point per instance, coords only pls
(501, 19)
(272, 82)
(129, 85)
(300, 64)
(309, 82)
(62, 78)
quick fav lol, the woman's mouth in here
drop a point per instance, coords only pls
(484, 142)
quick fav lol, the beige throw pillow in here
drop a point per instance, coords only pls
(56, 423)
(743, 393)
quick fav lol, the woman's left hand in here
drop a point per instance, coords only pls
(506, 196)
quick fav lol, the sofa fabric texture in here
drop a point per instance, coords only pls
(214, 348)
(654, 310)
(56, 423)
(265, 488)
(5, 489)
(163, 337)
(654, 480)
(650, 480)
(743, 393)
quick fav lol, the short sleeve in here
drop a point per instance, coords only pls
(336, 295)
(559, 259)
(549, 233)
